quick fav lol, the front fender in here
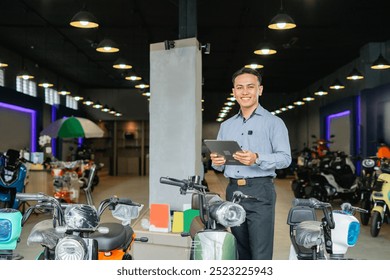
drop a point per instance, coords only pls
(379, 209)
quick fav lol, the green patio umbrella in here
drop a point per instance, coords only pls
(73, 127)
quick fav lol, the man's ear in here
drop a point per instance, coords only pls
(260, 90)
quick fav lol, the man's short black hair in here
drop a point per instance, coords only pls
(245, 70)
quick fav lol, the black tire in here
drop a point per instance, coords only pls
(297, 189)
(320, 193)
(127, 257)
(365, 217)
(376, 223)
(281, 173)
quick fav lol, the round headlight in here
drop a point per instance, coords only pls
(229, 214)
(368, 163)
(71, 248)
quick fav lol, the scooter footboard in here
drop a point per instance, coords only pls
(214, 245)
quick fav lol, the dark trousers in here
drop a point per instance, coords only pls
(256, 235)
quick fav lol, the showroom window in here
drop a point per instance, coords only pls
(26, 86)
(71, 102)
(1, 77)
(51, 96)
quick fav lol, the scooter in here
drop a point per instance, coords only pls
(336, 179)
(75, 231)
(380, 213)
(366, 182)
(10, 231)
(328, 238)
(210, 238)
(13, 172)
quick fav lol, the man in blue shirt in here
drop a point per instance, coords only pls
(265, 146)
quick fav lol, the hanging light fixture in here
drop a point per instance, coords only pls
(105, 108)
(78, 98)
(88, 102)
(3, 64)
(84, 19)
(131, 76)
(380, 63)
(45, 84)
(265, 48)
(142, 86)
(64, 91)
(282, 21)
(355, 75)
(337, 85)
(254, 65)
(97, 105)
(299, 103)
(25, 75)
(308, 98)
(121, 63)
(107, 46)
(321, 91)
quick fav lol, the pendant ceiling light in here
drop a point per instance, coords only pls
(107, 46)
(265, 48)
(121, 63)
(282, 21)
(84, 19)
(3, 64)
(355, 75)
(25, 75)
(321, 91)
(380, 63)
(45, 83)
(254, 65)
(337, 85)
(131, 76)
(142, 86)
(64, 91)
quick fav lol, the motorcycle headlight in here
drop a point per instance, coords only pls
(368, 163)
(71, 248)
(228, 214)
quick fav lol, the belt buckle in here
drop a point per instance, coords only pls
(241, 182)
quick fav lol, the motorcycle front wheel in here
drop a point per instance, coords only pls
(365, 217)
(376, 223)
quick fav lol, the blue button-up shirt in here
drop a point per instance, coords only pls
(262, 133)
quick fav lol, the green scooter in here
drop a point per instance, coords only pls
(211, 239)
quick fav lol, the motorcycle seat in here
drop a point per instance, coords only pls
(309, 234)
(114, 239)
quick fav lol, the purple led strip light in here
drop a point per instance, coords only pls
(33, 113)
(334, 116)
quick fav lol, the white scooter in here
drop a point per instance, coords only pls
(328, 238)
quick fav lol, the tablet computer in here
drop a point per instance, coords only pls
(224, 148)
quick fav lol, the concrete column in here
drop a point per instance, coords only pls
(175, 118)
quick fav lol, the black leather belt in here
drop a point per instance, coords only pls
(245, 181)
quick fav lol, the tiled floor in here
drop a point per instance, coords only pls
(137, 188)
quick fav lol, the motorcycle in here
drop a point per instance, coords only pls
(328, 238)
(366, 182)
(10, 231)
(13, 172)
(335, 179)
(210, 238)
(75, 231)
(380, 212)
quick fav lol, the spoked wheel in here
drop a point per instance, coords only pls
(366, 205)
(376, 223)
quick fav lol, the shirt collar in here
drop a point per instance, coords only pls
(258, 111)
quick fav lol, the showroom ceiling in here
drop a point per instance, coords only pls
(329, 34)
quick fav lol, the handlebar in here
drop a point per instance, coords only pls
(316, 204)
(184, 184)
(239, 196)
